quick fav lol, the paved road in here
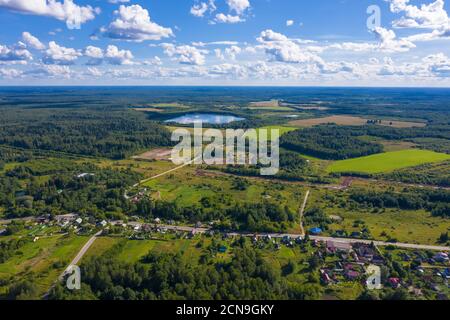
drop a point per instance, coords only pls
(318, 238)
(81, 253)
(302, 210)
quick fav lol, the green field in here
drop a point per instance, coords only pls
(389, 161)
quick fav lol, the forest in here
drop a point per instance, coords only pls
(330, 143)
(111, 133)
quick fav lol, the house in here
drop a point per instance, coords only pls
(157, 220)
(85, 174)
(103, 223)
(2, 231)
(394, 282)
(315, 231)
(441, 257)
(66, 217)
(334, 246)
(223, 249)
(79, 220)
(325, 277)
(356, 234)
(352, 274)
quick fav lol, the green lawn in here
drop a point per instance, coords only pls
(389, 161)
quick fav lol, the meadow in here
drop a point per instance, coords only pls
(387, 162)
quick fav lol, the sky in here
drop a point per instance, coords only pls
(225, 42)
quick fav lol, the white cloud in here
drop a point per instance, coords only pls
(15, 55)
(118, 57)
(94, 54)
(390, 43)
(232, 52)
(199, 10)
(228, 18)
(10, 73)
(185, 54)
(438, 64)
(32, 41)
(118, 1)
(289, 23)
(280, 48)
(155, 61)
(432, 16)
(73, 14)
(56, 54)
(215, 43)
(93, 72)
(239, 6)
(133, 23)
(53, 71)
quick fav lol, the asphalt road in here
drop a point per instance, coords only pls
(318, 238)
(81, 253)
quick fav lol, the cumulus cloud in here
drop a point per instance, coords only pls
(93, 72)
(431, 16)
(281, 48)
(185, 54)
(438, 64)
(237, 10)
(15, 55)
(118, 57)
(133, 23)
(118, 1)
(199, 10)
(51, 71)
(32, 41)
(10, 73)
(94, 54)
(56, 54)
(390, 43)
(227, 18)
(239, 6)
(289, 23)
(73, 14)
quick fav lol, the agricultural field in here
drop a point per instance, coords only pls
(387, 162)
(352, 121)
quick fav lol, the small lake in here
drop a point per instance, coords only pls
(210, 118)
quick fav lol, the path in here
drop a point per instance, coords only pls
(302, 210)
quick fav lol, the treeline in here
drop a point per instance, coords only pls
(170, 277)
(427, 174)
(328, 142)
(112, 133)
(435, 201)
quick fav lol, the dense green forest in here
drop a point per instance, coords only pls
(166, 276)
(106, 132)
(328, 143)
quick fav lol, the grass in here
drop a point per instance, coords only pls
(39, 259)
(387, 162)
(405, 226)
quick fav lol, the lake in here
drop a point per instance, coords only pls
(210, 118)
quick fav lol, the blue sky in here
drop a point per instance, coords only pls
(225, 42)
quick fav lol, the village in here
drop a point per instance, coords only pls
(336, 260)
